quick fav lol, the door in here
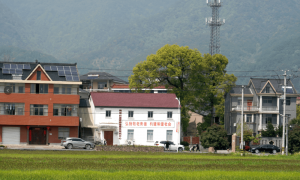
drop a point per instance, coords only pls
(108, 136)
(37, 135)
(11, 135)
(249, 105)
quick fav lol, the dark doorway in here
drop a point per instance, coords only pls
(108, 136)
(38, 135)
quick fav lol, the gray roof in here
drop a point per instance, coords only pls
(84, 103)
(238, 90)
(103, 76)
(52, 74)
(276, 83)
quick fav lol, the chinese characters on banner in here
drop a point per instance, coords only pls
(148, 124)
(177, 127)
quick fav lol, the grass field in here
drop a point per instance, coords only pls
(16, 164)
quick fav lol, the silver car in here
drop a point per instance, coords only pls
(70, 143)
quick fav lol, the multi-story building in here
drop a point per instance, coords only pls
(142, 118)
(124, 88)
(263, 104)
(38, 102)
(99, 81)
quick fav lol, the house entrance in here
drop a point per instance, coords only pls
(37, 135)
(249, 105)
(108, 136)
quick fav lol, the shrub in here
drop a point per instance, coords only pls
(184, 143)
(186, 148)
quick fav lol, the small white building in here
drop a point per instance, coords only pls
(141, 118)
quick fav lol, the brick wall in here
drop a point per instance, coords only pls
(54, 131)
(130, 148)
(191, 139)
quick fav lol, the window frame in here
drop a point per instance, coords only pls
(108, 113)
(150, 114)
(169, 114)
(40, 109)
(63, 130)
(128, 135)
(168, 134)
(288, 101)
(130, 114)
(13, 108)
(150, 132)
(38, 75)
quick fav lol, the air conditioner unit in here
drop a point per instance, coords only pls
(234, 124)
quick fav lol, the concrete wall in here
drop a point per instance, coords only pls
(140, 132)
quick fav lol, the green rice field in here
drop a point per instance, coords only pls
(16, 164)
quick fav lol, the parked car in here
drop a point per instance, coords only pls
(70, 143)
(172, 147)
(265, 148)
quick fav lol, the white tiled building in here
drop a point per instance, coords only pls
(139, 117)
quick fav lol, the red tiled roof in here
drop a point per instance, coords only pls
(126, 86)
(151, 100)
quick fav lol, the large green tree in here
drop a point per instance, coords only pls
(198, 81)
(294, 139)
(215, 136)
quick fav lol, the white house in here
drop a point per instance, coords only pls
(142, 118)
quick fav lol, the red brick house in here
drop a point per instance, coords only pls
(38, 102)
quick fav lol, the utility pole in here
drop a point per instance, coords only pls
(242, 121)
(284, 103)
(287, 136)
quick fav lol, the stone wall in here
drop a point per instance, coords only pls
(130, 148)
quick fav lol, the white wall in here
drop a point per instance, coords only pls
(140, 132)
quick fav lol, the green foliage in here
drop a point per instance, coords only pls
(215, 136)
(294, 139)
(201, 127)
(184, 143)
(270, 132)
(279, 131)
(195, 79)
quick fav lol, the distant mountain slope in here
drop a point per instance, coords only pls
(258, 35)
(12, 30)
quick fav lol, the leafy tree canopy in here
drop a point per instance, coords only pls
(270, 132)
(199, 81)
(215, 136)
(294, 139)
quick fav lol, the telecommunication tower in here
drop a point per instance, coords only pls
(215, 23)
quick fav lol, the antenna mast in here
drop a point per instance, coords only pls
(215, 23)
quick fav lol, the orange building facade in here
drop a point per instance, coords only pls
(38, 107)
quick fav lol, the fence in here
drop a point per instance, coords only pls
(191, 139)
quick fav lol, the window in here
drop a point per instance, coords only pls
(102, 85)
(15, 88)
(149, 135)
(288, 89)
(39, 88)
(65, 110)
(108, 113)
(288, 101)
(56, 90)
(11, 109)
(130, 113)
(267, 89)
(38, 110)
(130, 134)
(268, 118)
(66, 89)
(63, 133)
(169, 135)
(21, 89)
(249, 118)
(169, 114)
(150, 114)
(38, 75)
(267, 100)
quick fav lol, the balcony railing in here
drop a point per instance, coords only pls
(269, 108)
(246, 108)
(264, 126)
